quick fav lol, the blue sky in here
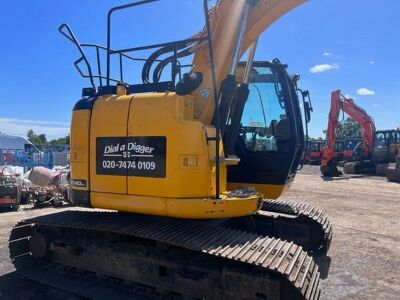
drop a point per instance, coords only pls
(351, 45)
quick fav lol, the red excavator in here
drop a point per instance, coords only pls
(347, 105)
(352, 150)
(314, 154)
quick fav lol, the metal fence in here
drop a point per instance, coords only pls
(26, 159)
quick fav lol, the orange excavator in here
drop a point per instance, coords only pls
(347, 105)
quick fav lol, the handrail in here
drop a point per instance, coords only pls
(70, 35)
(66, 31)
(110, 12)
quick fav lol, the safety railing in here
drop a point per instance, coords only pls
(26, 159)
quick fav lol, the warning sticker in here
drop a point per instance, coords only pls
(143, 156)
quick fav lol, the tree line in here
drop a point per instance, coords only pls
(41, 140)
(348, 128)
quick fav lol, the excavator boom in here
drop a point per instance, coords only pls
(235, 25)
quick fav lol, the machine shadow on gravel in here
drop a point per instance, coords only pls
(324, 264)
(347, 177)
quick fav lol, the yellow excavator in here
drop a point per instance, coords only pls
(187, 167)
(393, 170)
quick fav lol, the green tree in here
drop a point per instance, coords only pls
(36, 139)
(31, 135)
(348, 129)
(60, 141)
(41, 140)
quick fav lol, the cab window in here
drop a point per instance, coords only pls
(315, 147)
(265, 121)
(380, 139)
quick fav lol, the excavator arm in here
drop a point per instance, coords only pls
(358, 114)
(235, 26)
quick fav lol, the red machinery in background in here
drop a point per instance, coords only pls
(314, 154)
(352, 149)
(338, 151)
(341, 103)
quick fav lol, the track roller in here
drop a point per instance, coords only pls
(393, 174)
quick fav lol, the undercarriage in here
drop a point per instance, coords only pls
(158, 257)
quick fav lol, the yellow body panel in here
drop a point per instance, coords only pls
(186, 189)
(164, 115)
(192, 208)
(80, 129)
(109, 118)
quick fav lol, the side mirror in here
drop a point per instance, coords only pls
(307, 111)
(307, 106)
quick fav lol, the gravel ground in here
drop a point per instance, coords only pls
(364, 255)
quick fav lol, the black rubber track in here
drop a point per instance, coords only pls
(320, 236)
(284, 260)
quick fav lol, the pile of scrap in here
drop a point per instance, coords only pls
(10, 188)
(44, 187)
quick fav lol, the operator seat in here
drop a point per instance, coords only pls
(282, 135)
(282, 129)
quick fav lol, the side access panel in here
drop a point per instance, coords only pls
(107, 139)
(80, 179)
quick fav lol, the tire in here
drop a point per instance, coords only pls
(349, 168)
(381, 169)
(15, 207)
(57, 203)
(393, 175)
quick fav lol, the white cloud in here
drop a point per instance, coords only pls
(365, 92)
(371, 62)
(327, 54)
(350, 96)
(323, 68)
(21, 126)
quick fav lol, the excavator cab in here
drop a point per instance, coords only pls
(352, 150)
(339, 148)
(315, 153)
(385, 145)
(271, 139)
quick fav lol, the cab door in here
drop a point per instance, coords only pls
(269, 144)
